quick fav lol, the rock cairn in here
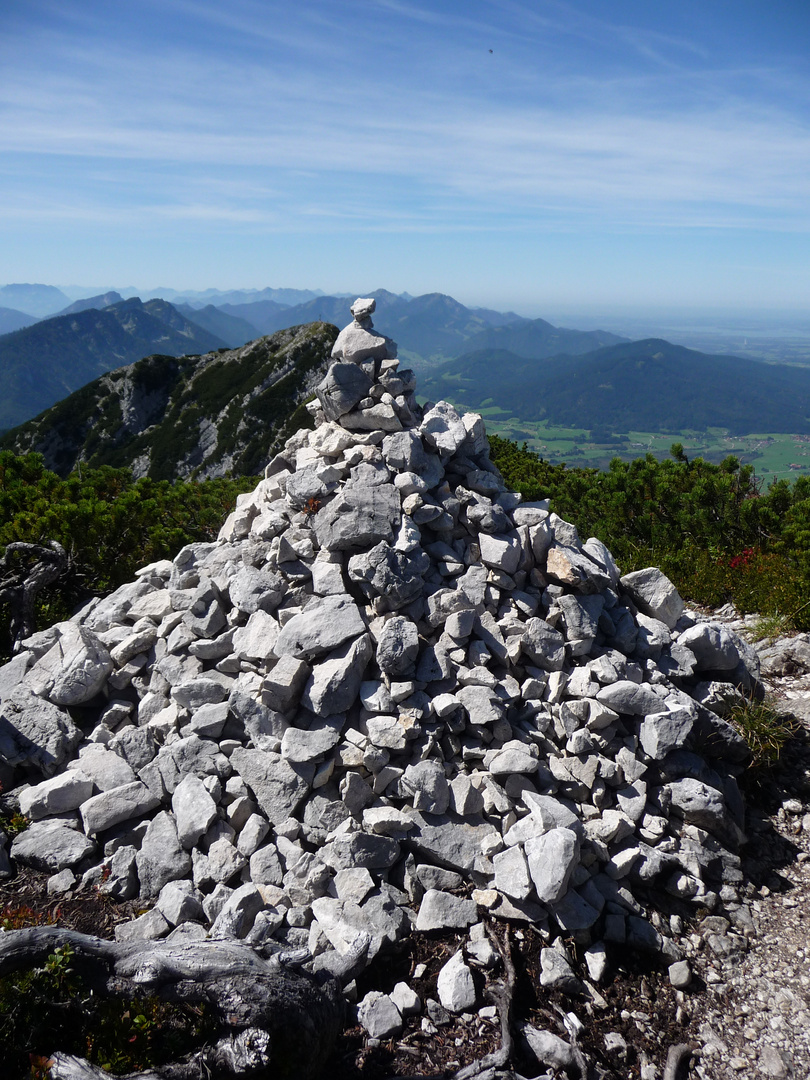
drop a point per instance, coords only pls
(392, 697)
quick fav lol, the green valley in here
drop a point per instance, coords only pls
(775, 456)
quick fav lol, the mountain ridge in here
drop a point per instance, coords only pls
(45, 362)
(172, 417)
(648, 385)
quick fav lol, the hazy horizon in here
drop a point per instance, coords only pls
(633, 319)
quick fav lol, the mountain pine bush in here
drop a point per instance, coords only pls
(710, 528)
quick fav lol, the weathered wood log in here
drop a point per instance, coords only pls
(271, 1021)
(21, 582)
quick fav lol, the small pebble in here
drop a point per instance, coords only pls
(680, 974)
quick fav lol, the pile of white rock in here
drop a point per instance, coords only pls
(391, 698)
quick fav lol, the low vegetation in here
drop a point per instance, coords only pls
(108, 523)
(55, 1004)
(766, 730)
(711, 528)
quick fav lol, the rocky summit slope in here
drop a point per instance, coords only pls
(191, 416)
(41, 364)
(392, 698)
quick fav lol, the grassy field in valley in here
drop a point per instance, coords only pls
(773, 456)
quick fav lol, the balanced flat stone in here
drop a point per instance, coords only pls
(323, 625)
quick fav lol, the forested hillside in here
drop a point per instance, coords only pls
(44, 363)
(649, 385)
(200, 416)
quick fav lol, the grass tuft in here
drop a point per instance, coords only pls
(772, 626)
(765, 729)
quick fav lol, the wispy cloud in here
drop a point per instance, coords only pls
(392, 115)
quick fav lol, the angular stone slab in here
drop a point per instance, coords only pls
(632, 699)
(325, 623)
(101, 812)
(544, 645)
(59, 795)
(443, 429)
(283, 686)
(447, 841)
(398, 647)
(252, 590)
(653, 593)
(74, 669)
(387, 575)
(714, 646)
(299, 745)
(335, 682)
(35, 732)
(104, 767)
(355, 343)
(161, 858)
(278, 788)
(665, 731)
(444, 911)
(500, 552)
(358, 518)
(572, 567)
(552, 859)
(345, 384)
(51, 845)
(360, 849)
(194, 810)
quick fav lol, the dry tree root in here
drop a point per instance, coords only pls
(268, 1017)
(678, 1060)
(501, 993)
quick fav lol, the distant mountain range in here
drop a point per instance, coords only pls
(233, 330)
(104, 300)
(43, 301)
(43, 363)
(37, 300)
(536, 339)
(11, 320)
(425, 328)
(647, 385)
(169, 417)
(284, 297)
(476, 358)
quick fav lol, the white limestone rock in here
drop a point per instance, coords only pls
(74, 669)
(444, 911)
(654, 594)
(379, 1015)
(59, 795)
(194, 810)
(51, 845)
(34, 732)
(103, 811)
(552, 859)
(455, 985)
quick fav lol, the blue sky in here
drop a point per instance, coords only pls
(540, 156)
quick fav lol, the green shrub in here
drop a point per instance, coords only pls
(708, 527)
(54, 1008)
(108, 523)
